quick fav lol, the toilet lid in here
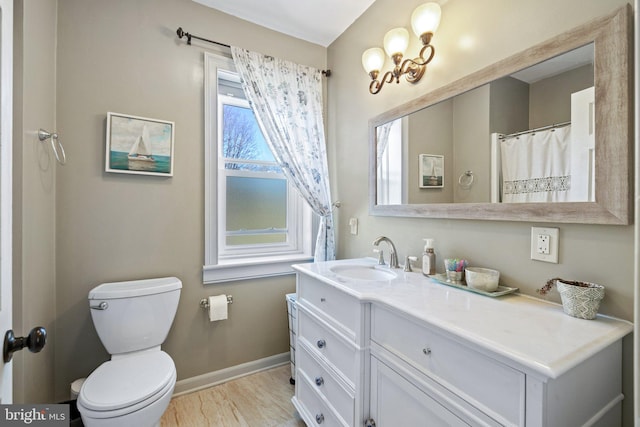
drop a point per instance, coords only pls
(126, 381)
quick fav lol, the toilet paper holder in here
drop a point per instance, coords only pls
(204, 302)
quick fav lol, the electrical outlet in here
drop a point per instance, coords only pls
(544, 244)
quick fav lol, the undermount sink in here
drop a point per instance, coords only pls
(363, 272)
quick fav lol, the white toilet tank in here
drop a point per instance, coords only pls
(134, 315)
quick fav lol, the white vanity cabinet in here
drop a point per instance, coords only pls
(413, 352)
(330, 355)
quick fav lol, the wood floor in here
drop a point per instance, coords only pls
(262, 399)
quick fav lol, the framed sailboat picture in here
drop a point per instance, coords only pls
(431, 171)
(139, 145)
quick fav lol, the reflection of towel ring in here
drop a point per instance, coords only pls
(43, 135)
(466, 180)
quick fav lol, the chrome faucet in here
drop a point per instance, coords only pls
(393, 257)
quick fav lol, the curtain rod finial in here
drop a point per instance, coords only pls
(180, 32)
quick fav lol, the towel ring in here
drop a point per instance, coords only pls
(466, 180)
(43, 135)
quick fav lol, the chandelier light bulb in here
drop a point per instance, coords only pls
(396, 41)
(373, 59)
(426, 18)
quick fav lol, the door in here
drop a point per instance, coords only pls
(583, 145)
(6, 100)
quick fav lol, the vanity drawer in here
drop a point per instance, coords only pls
(341, 308)
(339, 354)
(495, 386)
(323, 381)
(313, 409)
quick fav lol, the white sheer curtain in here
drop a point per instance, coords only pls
(382, 139)
(536, 167)
(287, 100)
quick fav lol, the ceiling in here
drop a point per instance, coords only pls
(316, 21)
(557, 65)
(322, 21)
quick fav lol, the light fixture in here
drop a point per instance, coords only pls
(424, 21)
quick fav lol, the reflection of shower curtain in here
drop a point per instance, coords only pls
(536, 167)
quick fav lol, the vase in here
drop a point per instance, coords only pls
(580, 301)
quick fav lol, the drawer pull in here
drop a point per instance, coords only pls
(321, 343)
(427, 351)
(319, 418)
(323, 299)
(319, 381)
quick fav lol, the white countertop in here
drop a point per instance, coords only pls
(530, 331)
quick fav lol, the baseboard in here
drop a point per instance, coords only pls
(189, 385)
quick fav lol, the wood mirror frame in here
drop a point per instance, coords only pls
(612, 38)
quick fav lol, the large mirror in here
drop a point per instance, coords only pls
(542, 136)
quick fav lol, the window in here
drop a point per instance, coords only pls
(255, 223)
(390, 164)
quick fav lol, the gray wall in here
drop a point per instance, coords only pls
(430, 132)
(34, 195)
(124, 56)
(509, 106)
(472, 145)
(550, 99)
(492, 30)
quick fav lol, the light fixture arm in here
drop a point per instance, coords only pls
(412, 69)
(421, 60)
(376, 84)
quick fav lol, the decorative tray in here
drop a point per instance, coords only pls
(502, 290)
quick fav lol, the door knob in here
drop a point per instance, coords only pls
(35, 341)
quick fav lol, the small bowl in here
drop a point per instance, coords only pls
(483, 279)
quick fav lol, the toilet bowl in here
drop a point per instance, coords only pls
(128, 391)
(134, 388)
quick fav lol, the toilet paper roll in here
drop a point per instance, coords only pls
(218, 308)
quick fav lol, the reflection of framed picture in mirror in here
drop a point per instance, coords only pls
(431, 171)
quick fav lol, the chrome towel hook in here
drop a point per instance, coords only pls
(43, 135)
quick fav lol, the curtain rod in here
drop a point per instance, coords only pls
(557, 125)
(189, 36)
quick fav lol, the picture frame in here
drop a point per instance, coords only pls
(431, 171)
(139, 145)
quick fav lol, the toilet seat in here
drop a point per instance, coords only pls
(125, 385)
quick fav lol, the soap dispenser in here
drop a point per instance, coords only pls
(428, 258)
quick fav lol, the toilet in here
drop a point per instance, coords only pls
(132, 320)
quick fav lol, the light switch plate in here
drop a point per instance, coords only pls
(544, 244)
(353, 225)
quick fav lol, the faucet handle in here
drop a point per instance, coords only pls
(407, 263)
(380, 253)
